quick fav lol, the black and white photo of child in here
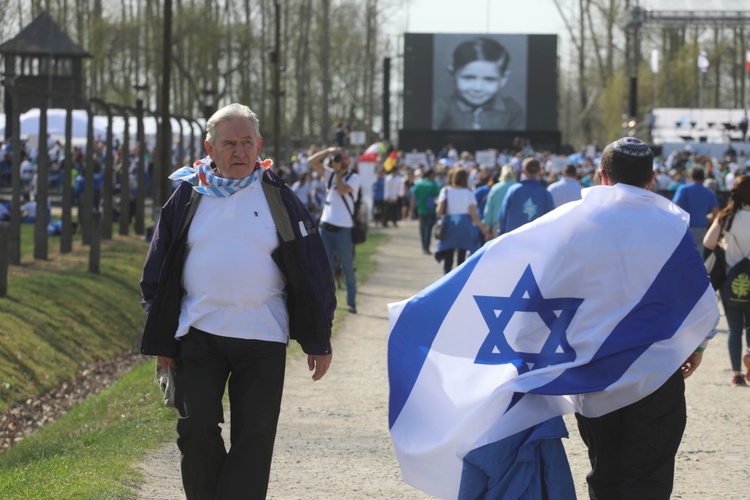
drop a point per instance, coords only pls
(483, 84)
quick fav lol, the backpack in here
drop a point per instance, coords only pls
(736, 287)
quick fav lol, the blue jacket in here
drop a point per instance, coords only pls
(525, 201)
(310, 288)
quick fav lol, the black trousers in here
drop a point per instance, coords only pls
(255, 387)
(392, 212)
(632, 450)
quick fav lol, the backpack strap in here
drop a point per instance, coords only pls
(346, 178)
(195, 197)
(746, 256)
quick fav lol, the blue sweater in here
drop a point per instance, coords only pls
(524, 202)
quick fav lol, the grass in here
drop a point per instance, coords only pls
(57, 316)
(70, 317)
(89, 453)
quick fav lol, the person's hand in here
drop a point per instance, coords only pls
(165, 362)
(319, 363)
(692, 364)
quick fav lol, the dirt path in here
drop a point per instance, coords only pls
(333, 440)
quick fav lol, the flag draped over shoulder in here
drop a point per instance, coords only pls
(589, 308)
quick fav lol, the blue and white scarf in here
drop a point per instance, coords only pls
(201, 175)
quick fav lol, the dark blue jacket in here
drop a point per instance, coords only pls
(310, 288)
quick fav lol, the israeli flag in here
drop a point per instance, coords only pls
(587, 309)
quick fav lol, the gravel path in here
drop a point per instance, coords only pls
(333, 440)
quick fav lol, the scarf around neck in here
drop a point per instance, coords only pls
(201, 175)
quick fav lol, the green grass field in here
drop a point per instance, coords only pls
(57, 317)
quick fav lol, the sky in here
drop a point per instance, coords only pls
(515, 16)
(481, 16)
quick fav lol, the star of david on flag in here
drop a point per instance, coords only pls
(530, 209)
(586, 309)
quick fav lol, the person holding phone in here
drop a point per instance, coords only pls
(336, 220)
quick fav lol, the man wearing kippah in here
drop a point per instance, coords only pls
(632, 449)
(226, 284)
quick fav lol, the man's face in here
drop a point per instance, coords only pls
(479, 81)
(235, 148)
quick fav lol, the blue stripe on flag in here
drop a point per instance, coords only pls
(416, 329)
(653, 319)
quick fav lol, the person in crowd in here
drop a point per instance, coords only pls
(404, 194)
(632, 450)
(480, 70)
(336, 221)
(495, 199)
(392, 189)
(303, 189)
(28, 209)
(234, 270)
(731, 230)
(4, 210)
(677, 181)
(318, 193)
(378, 197)
(463, 228)
(340, 135)
(485, 179)
(27, 171)
(525, 201)
(699, 201)
(566, 189)
(662, 180)
(424, 199)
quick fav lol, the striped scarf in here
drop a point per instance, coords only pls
(201, 175)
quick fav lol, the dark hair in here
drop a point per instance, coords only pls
(570, 170)
(739, 197)
(531, 166)
(480, 49)
(697, 174)
(628, 161)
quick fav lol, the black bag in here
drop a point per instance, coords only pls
(716, 266)
(736, 287)
(359, 233)
(438, 230)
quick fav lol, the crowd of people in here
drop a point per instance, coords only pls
(29, 174)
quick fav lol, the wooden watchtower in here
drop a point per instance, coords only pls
(43, 67)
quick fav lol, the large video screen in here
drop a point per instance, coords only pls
(472, 82)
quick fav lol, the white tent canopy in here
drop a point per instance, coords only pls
(56, 127)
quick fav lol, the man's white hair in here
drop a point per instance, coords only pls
(234, 110)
